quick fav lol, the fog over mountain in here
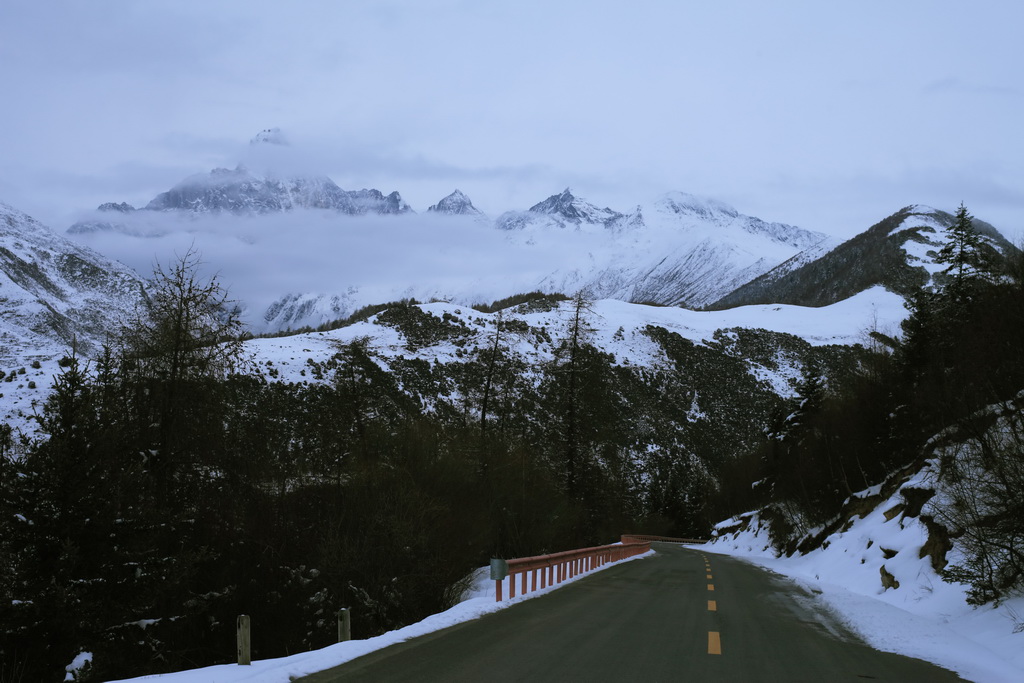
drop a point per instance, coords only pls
(296, 263)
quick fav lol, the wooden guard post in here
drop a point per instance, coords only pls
(243, 640)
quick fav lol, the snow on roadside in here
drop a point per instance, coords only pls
(478, 601)
(924, 617)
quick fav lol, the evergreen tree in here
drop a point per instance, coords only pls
(569, 377)
(965, 255)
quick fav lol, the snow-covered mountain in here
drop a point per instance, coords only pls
(244, 192)
(457, 204)
(241, 192)
(683, 250)
(560, 211)
(56, 293)
(897, 253)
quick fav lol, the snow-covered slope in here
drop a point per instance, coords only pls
(682, 250)
(56, 294)
(920, 615)
(617, 327)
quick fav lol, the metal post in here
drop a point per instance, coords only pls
(244, 654)
(344, 625)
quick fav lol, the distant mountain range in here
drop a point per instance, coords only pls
(678, 250)
(243, 193)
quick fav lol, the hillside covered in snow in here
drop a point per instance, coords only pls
(55, 292)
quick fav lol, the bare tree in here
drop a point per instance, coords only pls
(187, 328)
(170, 354)
(979, 502)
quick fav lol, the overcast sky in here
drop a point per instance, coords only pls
(827, 115)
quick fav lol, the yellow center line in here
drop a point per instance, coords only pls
(712, 606)
(714, 643)
(709, 576)
(711, 586)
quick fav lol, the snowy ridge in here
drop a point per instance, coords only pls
(808, 255)
(619, 329)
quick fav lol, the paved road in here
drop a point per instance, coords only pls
(678, 616)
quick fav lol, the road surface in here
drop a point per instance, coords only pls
(680, 615)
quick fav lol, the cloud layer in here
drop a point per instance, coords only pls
(376, 258)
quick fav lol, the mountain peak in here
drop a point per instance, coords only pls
(570, 208)
(269, 136)
(557, 203)
(919, 209)
(123, 207)
(456, 204)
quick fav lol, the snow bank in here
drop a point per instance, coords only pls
(924, 617)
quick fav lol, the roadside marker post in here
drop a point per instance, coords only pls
(344, 625)
(244, 641)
